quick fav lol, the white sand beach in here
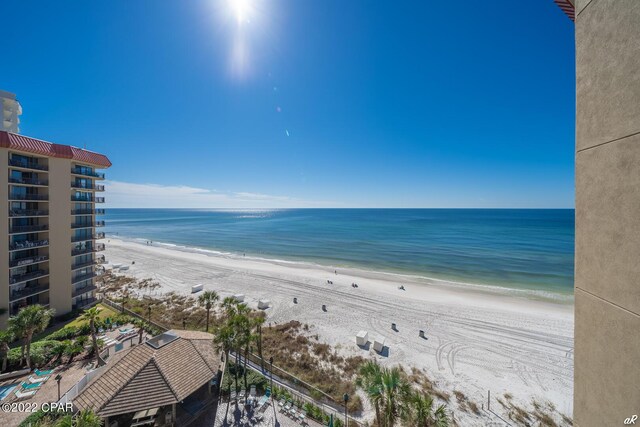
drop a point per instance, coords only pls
(477, 339)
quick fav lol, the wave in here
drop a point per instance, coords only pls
(534, 294)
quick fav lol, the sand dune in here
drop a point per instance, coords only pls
(477, 339)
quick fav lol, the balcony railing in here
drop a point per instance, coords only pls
(28, 181)
(87, 212)
(77, 305)
(83, 290)
(28, 228)
(27, 244)
(82, 251)
(86, 199)
(89, 186)
(28, 197)
(28, 212)
(97, 261)
(89, 225)
(82, 277)
(27, 292)
(85, 172)
(31, 275)
(87, 238)
(28, 165)
(21, 262)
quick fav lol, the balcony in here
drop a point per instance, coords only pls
(87, 199)
(89, 225)
(28, 212)
(99, 260)
(83, 290)
(39, 197)
(27, 292)
(28, 244)
(83, 303)
(19, 229)
(87, 212)
(82, 251)
(28, 165)
(80, 186)
(84, 277)
(31, 275)
(28, 181)
(87, 238)
(22, 262)
(86, 172)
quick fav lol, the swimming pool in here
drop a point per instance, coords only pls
(5, 390)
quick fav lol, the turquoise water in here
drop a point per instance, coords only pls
(514, 248)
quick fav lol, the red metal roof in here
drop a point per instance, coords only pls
(35, 146)
(567, 7)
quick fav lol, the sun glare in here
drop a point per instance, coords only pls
(241, 9)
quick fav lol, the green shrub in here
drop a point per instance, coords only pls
(41, 417)
(65, 333)
(41, 353)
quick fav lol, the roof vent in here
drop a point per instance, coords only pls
(162, 340)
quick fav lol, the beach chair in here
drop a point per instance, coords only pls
(26, 386)
(242, 395)
(24, 394)
(252, 393)
(302, 416)
(40, 373)
(281, 404)
(35, 380)
(287, 407)
(292, 412)
(233, 397)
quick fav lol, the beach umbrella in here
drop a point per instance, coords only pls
(330, 421)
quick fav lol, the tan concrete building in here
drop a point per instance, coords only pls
(49, 205)
(607, 275)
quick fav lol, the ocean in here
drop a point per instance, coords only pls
(522, 249)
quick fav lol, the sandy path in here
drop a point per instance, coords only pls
(476, 340)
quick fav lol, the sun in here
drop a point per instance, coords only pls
(241, 9)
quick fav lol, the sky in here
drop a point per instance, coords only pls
(304, 103)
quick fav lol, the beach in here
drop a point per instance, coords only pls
(477, 338)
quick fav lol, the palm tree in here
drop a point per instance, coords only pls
(422, 413)
(6, 337)
(369, 378)
(208, 298)
(388, 390)
(30, 320)
(92, 315)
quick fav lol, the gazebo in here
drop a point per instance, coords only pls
(168, 379)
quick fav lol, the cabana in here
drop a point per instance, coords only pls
(378, 344)
(264, 304)
(362, 338)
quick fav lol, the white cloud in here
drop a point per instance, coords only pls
(131, 195)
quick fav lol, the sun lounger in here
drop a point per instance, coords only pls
(292, 412)
(27, 386)
(233, 397)
(24, 394)
(281, 404)
(40, 373)
(35, 380)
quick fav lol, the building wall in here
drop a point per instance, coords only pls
(607, 281)
(60, 234)
(4, 237)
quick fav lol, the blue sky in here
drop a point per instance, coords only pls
(304, 102)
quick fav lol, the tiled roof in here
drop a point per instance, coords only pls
(567, 7)
(144, 377)
(44, 148)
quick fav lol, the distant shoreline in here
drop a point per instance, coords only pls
(553, 296)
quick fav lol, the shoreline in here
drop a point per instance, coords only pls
(475, 341)
(552, 296)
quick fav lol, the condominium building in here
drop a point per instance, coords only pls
(607, 271)
(11, 109)
(50, 196)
